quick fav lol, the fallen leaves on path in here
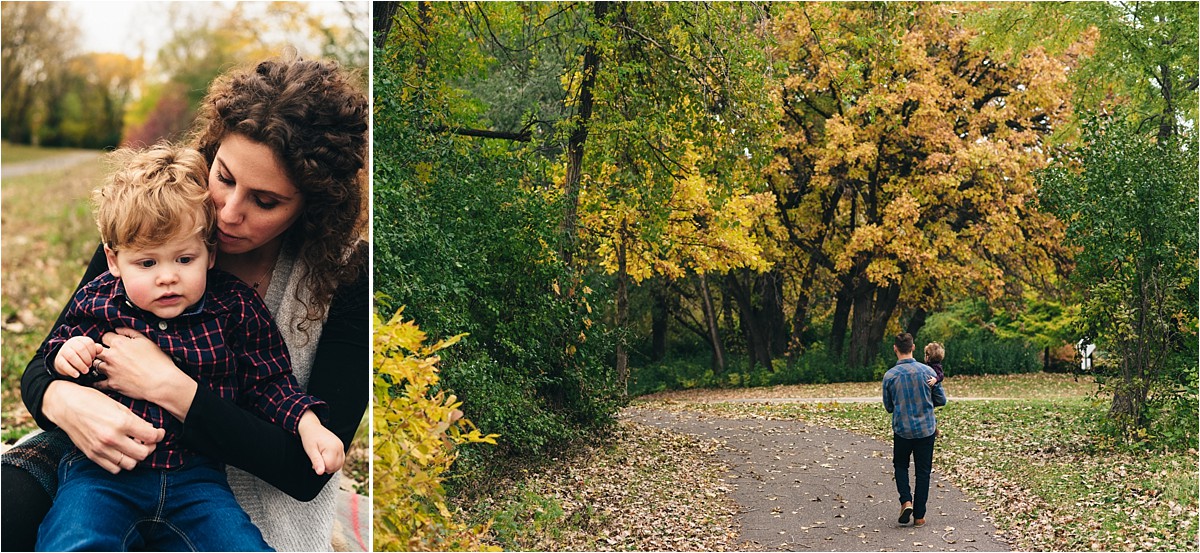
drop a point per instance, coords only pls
(641, 489)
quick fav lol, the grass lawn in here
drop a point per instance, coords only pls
(48, 236)
(1030, 386)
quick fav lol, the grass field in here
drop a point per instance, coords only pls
(48, 235)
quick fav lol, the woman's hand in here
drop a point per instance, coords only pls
(104, 430)
(137, 368)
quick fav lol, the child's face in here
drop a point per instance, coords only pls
(164, 280)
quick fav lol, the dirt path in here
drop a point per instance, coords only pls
(62, 161)
(809, 488)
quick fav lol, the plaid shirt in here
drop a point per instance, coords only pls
(227, 342)
(909, 398)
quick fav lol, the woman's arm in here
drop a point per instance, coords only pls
(340, 376)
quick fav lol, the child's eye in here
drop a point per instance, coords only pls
(146, 263)
(186, 259)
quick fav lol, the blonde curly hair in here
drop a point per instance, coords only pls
(153, 195)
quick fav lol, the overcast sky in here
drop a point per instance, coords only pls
(127, 27)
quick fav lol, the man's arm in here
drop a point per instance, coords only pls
(939, 395)
(887, 396)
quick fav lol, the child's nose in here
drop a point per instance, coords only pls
(168, 276)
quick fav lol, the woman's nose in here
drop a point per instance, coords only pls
(230, 212)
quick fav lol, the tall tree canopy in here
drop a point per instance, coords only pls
(906, 170)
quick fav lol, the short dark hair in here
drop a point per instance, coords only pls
(904, 342)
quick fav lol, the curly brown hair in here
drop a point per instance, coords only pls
(314, 115)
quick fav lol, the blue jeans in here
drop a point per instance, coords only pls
(185, 509)
(921, 450)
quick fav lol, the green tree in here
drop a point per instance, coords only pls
(1129, 202)
(38, 40)
(682, 127)
(465, 237)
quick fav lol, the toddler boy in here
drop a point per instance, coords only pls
(158, 224)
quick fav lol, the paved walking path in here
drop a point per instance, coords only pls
(809, 488)
(860, 399)
(61, 161)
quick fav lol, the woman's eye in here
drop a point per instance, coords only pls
(225, 179)
(147, 263)
(265, 204)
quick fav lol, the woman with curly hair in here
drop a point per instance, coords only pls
(286, 142)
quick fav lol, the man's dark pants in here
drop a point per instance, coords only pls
(921, 450)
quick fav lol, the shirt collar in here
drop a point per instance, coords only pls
(123, 298)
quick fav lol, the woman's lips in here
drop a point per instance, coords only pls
(227, 238)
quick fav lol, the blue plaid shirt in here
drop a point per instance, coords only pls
(909, 398)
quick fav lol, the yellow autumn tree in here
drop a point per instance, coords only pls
(905, 173)
(416, 433)
(671, 182)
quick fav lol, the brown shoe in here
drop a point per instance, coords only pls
(919, 522)
(905, 512)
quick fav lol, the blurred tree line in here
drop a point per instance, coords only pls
(56, 95)
(758, 193)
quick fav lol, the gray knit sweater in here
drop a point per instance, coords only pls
(286, 523)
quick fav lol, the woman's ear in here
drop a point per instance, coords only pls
(111, 256)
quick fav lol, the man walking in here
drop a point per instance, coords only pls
(910, 399)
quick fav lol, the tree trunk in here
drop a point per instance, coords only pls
(777, 332)
(1166, 125)
(660, 315)
(799, 319)
(916, 322)
(575, 143)
(384, 13)
(748, 319)
(710, 316)
(841, 316)
(622, 314)
(873, 306)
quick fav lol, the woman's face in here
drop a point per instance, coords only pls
(256, 201)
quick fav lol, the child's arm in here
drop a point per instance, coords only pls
(938, 377)
(323, 447)
(76, 356)
(266, 385)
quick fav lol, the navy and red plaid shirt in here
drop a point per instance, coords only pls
(227, 342)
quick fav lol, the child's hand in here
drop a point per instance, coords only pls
(932, 381)
(76, 356)
(323, 447)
